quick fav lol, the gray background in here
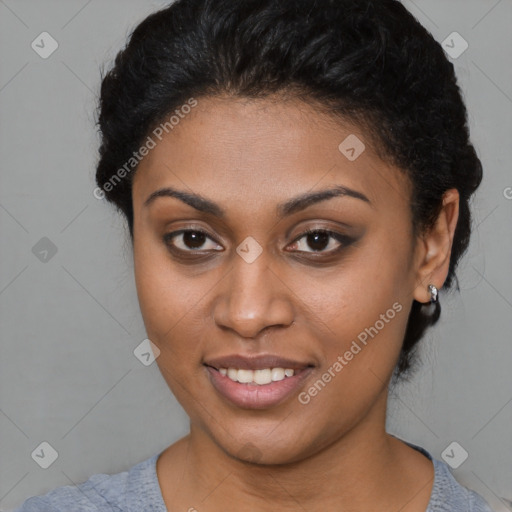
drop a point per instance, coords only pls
(68, 375)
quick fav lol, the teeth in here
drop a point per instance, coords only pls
(257, 377)
(277, 374)
(262, 376)
(245, 376)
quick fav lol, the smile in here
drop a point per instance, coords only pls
(257, 377)
(256, 383)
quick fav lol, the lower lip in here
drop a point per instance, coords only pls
(250, 396)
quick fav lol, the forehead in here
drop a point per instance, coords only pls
(236, 148)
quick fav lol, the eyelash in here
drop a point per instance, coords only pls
(344, 240)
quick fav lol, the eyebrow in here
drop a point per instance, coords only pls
(305, 200)
(289, 207)
(196, 201)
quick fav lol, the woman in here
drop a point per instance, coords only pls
(295, 176)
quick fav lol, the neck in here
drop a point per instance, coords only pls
(356, 472)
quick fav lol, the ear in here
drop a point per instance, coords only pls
(434, 248)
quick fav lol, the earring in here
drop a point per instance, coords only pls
(433, 293)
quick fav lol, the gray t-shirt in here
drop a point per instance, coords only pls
(138, 490)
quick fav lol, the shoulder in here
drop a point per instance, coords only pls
(135, 489)
(450, 496)
(447, 494)
(85, 497)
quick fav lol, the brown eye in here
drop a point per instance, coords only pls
(188, 240)
(318, 240)
(193, 239)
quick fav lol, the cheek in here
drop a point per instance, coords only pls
(167, 302)
(163, 293)
(356, 292)
(360, 332)
(173, 304)
(359, 312)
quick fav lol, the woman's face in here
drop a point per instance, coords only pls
(227, 276)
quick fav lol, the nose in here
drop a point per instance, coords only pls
(251, 298)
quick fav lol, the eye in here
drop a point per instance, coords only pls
(319, 240)
(190, 240)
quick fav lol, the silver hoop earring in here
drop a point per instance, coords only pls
(433, 293)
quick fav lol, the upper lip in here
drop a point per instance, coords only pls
(259, 362)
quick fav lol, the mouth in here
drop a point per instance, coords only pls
(256, 382)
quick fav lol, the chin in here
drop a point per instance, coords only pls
(267, 450)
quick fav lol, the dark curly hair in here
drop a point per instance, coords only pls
(367, 61)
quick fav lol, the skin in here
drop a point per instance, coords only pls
(332, 453)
